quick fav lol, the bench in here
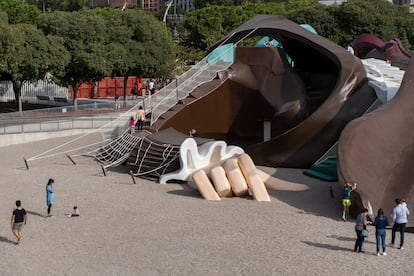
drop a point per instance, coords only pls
(60, 99)
(43, 98)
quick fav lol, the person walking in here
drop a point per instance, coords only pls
(381, 223)
(360, 224)
(50, 196)
(18, 219)
(132, 125)
(151, 86)
(399, 215)
(140, 117)
(346, 199)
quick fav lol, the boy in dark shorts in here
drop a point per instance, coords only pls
(19, 217)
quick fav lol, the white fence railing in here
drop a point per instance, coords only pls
(30, 91)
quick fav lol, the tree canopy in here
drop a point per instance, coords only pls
(107, 42)
(86, 45)
(27, 55)
(343, 23)
(60, 5)
(339, 23)
(207, 25)
(18, 12)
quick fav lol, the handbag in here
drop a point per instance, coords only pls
(365, 233)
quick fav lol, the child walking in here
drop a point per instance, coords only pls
(132, 124)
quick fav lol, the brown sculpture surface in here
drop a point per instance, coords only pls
(306, 104)
(377, 152)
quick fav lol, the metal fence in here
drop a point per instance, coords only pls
(103, 114)
(32, 91)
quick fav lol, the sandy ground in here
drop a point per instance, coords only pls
(153, 229)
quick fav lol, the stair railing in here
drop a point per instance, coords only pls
(202, 72)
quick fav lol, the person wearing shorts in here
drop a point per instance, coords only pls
(346, 200)
(18, 219)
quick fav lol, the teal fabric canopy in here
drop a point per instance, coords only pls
(224, 53)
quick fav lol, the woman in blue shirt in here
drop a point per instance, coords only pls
(381, 223)
(50, 196)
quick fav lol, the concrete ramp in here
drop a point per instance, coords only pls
(377, 151)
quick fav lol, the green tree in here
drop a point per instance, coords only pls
(84, 37)
(27, 55)
(138, 44)
(343, 23)
(206, 26)
(4, 18)
(320, 17)
(355, 17)
(19, 12)
(108, 42)
(60, 5)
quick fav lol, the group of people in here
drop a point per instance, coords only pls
(137, 121)
(19, 215)
(398, 215)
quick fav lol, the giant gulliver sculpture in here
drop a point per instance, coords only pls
(303, 105)
(377, 151)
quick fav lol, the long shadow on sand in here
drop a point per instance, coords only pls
(35, 214)
(318, 200)
(186, 191)
(328, 246)
(339, 238)
(4, 239)
(348, 239)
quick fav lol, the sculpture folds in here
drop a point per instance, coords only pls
(377, 151)
(282, 114)
(193, 158)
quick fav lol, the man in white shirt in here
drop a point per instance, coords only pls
(399, 215)
(151, 86)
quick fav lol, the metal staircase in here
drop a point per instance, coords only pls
(204, 71)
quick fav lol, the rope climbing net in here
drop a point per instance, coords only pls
(116, 151)
(153, 159)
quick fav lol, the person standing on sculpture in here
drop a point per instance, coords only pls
(193, 133)
(50, 196)
(346, 199)
(18, 219)
(132, 125)
(399, 215)
(140, 117)
(350, 49)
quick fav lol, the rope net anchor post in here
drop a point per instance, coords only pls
(132, 176)
(25, 162)
(71, 159)
(103, 170)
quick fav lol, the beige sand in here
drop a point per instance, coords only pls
(152, 229)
